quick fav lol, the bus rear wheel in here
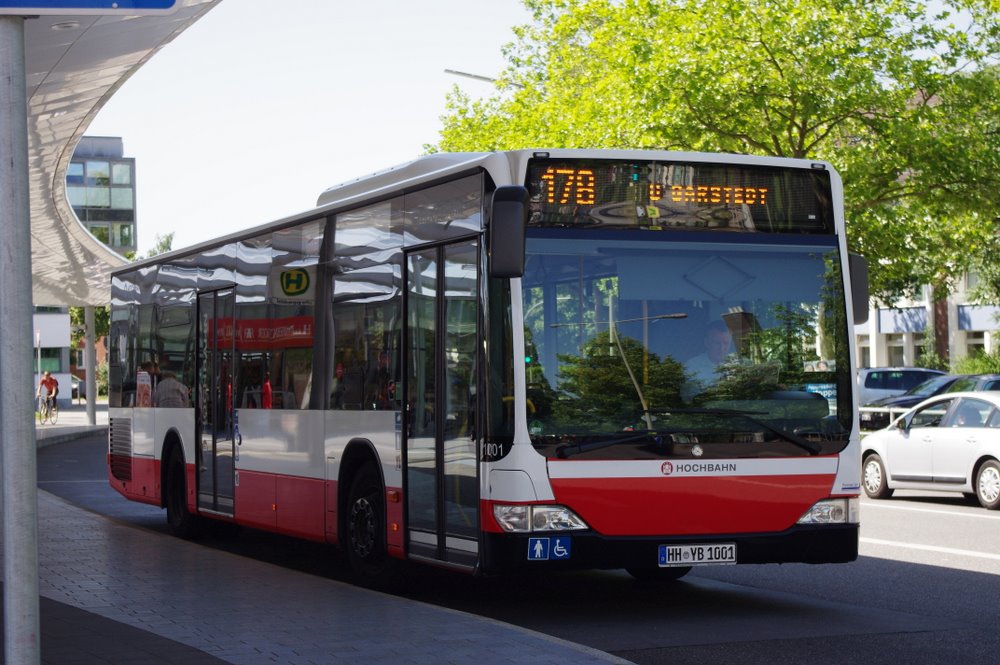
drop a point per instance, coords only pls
(182, 523)
(366, 546)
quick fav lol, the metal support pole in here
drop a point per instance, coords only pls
(90, 351)
(17, 427)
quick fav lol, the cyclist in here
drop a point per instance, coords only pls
(48, 388)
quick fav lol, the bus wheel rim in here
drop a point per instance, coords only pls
(362, 527)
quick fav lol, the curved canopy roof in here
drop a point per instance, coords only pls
(73, 64)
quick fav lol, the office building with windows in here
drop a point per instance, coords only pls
(954, 327)
(100, 185)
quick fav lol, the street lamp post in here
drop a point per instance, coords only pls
(38, 357)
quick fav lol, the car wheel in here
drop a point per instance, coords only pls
(988, 484)
(875, 480)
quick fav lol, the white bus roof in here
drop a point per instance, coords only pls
(505, 168)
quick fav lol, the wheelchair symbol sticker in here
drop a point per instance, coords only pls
(544, 549)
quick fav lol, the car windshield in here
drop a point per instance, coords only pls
(659, 347)
(931, 386)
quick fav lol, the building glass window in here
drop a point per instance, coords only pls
(74, 174)
(919, 346)
(121, 198)
(77, 196)
(895, 350)
(122, 235)
(50, 361)
(121, 174)
(102, 232)
(975, 342)
(98, 174)
(98, 197)
(864, 351)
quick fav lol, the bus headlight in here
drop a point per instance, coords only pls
(525, 519)
(832, 511)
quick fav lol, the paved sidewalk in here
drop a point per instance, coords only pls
(115, 593)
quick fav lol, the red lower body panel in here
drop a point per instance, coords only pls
(683, 506)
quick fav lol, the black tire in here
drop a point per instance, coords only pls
(182, 523)
(659, 575)
(988, 484)
(364, 530)
(874, 479)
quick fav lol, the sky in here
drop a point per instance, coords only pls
(252, 112)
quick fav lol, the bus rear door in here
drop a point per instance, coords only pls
(217, 430)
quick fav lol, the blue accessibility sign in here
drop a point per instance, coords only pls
(552, 548)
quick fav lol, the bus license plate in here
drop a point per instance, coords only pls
(697, 555)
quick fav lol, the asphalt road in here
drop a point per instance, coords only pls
(925, 590)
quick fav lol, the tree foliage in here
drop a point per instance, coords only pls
(102, 319)
(901, 100)
(161, 245)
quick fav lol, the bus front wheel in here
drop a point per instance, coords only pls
(366, 527)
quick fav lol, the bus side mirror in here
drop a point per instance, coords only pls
(858, 266)
(509, 218)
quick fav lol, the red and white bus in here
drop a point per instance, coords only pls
(509, 361)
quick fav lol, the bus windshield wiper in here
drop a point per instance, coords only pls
(808, 446)
(570, 449)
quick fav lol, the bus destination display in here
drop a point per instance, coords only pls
(661, 195)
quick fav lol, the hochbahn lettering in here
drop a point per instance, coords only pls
(674, 468)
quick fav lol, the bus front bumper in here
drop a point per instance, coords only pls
(503, 552)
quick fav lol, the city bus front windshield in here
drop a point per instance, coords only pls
(701, 345)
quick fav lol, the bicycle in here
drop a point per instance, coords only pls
(48, 410)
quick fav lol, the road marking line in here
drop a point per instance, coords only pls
(932, 548)
(960, 513)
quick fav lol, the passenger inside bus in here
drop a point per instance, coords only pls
(337, 388)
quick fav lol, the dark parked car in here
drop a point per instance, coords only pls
(877, 414)
(975, 383)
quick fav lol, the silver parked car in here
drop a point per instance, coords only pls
(948, 442)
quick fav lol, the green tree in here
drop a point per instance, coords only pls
(978, 363)
(102, 318)
(902, 101)
(161, 245)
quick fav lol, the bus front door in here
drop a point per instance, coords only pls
(441, 442)
(216, 427)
